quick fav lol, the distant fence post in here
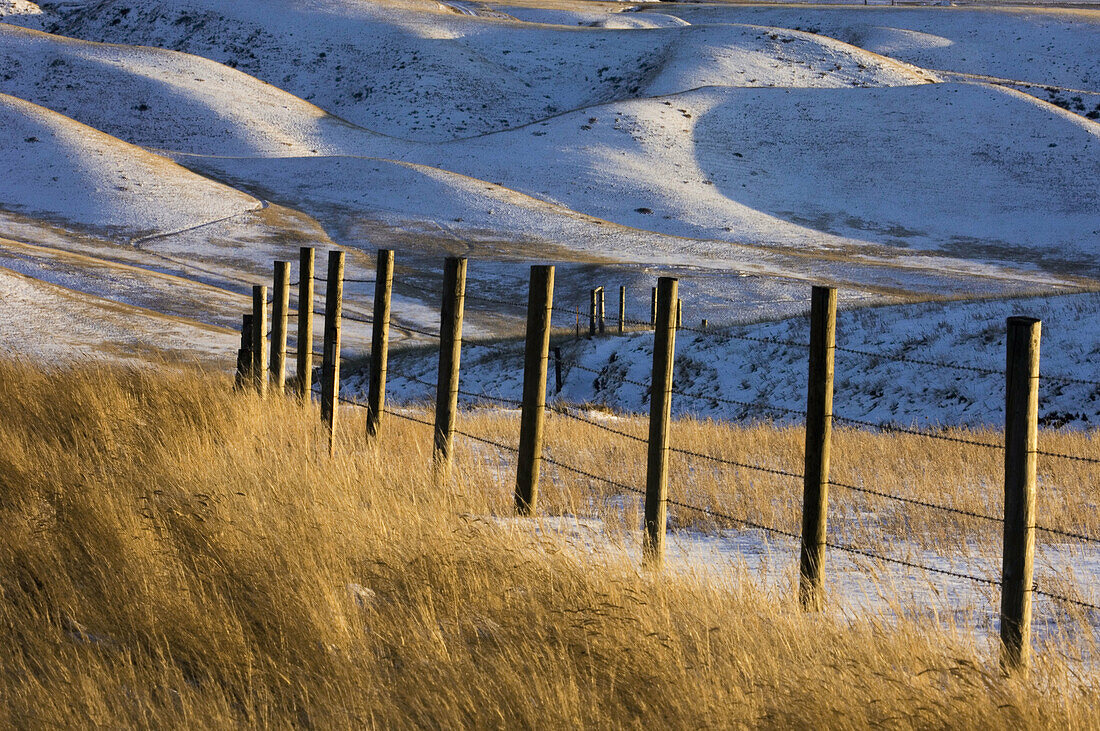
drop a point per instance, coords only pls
(280, 304)
(592, 311)
(600, 302)
(330, 356)
(578, 322)
(622, 309)
(819, 423)
(703, 324)
(304, 373)
(653, 308)
(540, 302)
(244, 355)
(380, 341)
(1021, 442)
(450, 352)
(679, 313)
(259, 339)
(660, 410)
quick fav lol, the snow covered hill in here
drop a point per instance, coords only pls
(668, 132)
(54, 167)
(163, 99)
(429, 74)
(1058, 47)
(820, 168)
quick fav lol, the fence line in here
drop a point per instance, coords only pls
(746, 522)
(715, 514)
(566, 412)
(1015, 604)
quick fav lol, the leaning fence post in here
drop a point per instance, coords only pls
(1021, 442)
(622, 309)
(819, 424)
(660, 410)
(244, 355)
(540, 302)
(259, 339)
(330, 355)
(280, 303)
(380, 341)
(304, 373)
(450, 352)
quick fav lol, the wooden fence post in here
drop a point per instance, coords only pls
(380, 341)
(592, 312)
(280, 304)
(259, 339)
(578, 322)
(304, 373)
(330, 355)
(819, 425)
(679, 313)
(557, 370)
(622, 309)
(1021, 442)
(660, 410)
(540, 302)
(600, 302)
(653, 308)
(244, 355)
(703, 324)
(450, 352)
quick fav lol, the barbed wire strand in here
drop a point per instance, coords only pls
(1066, 599)
(719, 399)
(918, 361)
(1058, 455)
(577, 417)
(915, 432)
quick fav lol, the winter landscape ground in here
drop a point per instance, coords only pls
(939, 164)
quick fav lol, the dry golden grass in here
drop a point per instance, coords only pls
(175, 555)
(956, 475)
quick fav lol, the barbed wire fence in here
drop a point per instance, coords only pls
(445, 431)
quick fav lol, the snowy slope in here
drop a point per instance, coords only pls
(436, 76)
(717, 365)
(56, 168)
(721, 163)
(54, 324)
(860, 166)
(1060, 47)
(162, 99)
